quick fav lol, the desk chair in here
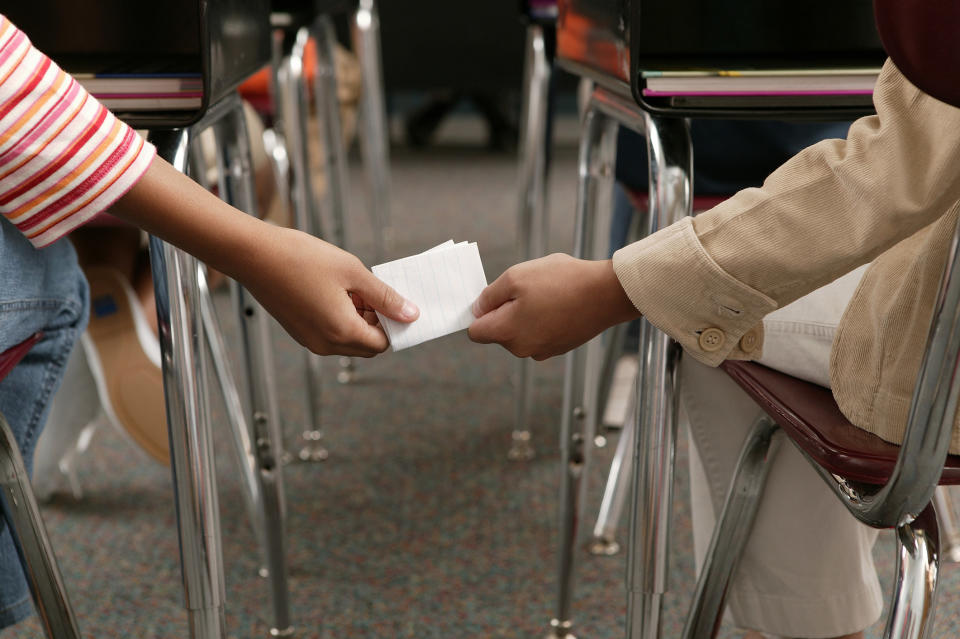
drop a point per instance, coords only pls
(221, 43)
(22, 516)
(882, 485)
(533, 223)
(613, 43)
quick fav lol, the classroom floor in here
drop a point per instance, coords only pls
(417, 525)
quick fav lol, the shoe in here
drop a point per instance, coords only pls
(124, 357)
(74, 416)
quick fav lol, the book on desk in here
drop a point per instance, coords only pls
(743, 87)
(144, 92)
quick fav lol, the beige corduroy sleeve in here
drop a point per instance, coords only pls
(708, 281)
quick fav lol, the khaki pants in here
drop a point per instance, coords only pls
(807, 569)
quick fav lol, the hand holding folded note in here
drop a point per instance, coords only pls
(443, 282)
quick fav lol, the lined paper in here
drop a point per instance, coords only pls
(443, 282)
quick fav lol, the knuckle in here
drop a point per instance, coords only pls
(510, 278)
(386, 298)
(340, 335)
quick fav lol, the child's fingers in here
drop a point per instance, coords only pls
(502, 290)
(492, 327)
(383, 298)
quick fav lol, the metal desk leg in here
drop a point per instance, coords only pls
(374, 132)
(22, 516)
(292, 122)
(671, 170)
(533, 227)
(191, 455)
(236, 187)
(595, 170)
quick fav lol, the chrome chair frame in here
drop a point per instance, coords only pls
(291, 125)
(190, 340)
(905, 502)
(533, 220)
(374, 127)
(668, 142)
(21, 512)
(187, 330)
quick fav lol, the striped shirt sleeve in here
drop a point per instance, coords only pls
(64, 158)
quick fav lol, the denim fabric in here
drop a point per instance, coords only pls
(40, 290)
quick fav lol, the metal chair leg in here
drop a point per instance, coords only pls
(595, 164)
(671, 170)
(949, 528)
(604, 540)
(292, 122)
(237, 188)
(533, 222)
(184, 381)
(613, 344)
(242, 436)
(331, 141)
(331, 130)
(22, 517)
(732, 529)
(914, 594)
(374, 132)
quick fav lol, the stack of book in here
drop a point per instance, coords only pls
(780, 86)
(145, 92)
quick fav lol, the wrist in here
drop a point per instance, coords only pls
(613, 298)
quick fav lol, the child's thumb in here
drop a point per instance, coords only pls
(385, 300)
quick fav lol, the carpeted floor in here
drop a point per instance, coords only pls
(417, 525)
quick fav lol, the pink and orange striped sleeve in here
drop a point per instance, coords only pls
(64, 158)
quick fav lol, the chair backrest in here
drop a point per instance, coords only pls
(922, 37)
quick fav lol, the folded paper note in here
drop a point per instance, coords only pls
(443, 282)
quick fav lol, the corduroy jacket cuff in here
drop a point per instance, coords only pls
(678, 287)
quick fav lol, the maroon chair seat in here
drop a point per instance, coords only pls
(812, 419)
(639, 200)
(12, 356)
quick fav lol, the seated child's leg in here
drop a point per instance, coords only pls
(807, 569)
(40, 290)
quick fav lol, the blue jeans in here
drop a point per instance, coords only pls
(40, 290)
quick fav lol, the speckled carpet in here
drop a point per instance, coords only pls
(417, 525)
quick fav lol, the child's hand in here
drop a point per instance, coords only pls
(548, 306)
(323, 296)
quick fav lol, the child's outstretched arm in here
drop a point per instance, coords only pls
(548, 306)
(64, 158)
(315, 290)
